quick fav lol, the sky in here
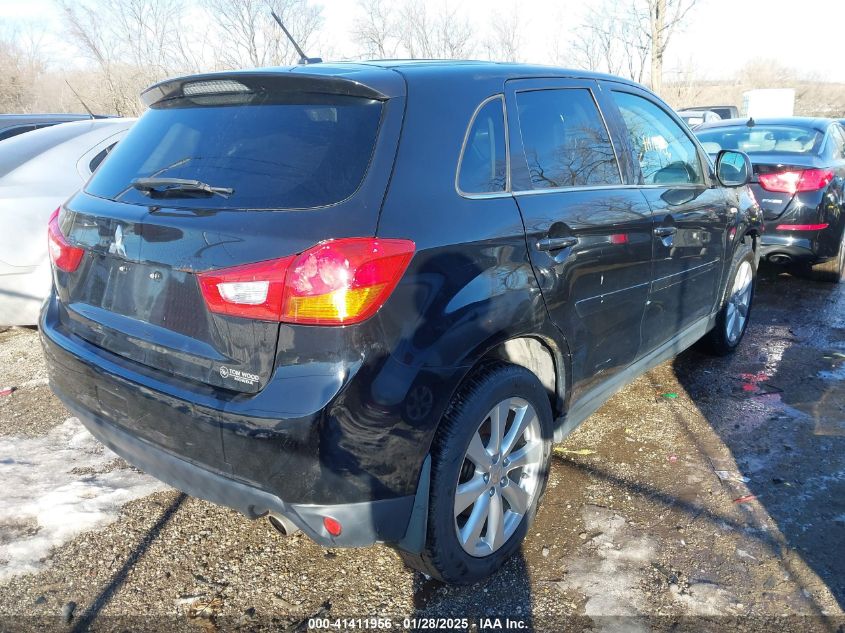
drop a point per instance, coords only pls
(721, 35)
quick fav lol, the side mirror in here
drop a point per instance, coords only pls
(733, 169)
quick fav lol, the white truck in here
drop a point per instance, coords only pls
(768, 102)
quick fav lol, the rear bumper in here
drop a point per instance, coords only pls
(363, 523)
(803, 247)
(782, 248)
(300, 468)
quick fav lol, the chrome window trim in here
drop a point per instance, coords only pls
(483, 195)
(606, 129)
(529, 192)
(534, 192)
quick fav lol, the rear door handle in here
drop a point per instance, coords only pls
(665, 231)
(556, 243)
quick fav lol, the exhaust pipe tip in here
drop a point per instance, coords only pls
(780, 259)
(283, 525)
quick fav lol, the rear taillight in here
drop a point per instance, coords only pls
(801, 227)
(253, 290)
(337, 282)
(793, 181)
(64, 256)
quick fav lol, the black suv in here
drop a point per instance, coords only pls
(364, 299)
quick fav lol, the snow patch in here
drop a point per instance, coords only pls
(706, 599)
(56, 487)
(612, 583)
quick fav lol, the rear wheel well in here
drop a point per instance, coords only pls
(536, 357)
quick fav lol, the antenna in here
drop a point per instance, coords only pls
(303, 58)
(76, 94)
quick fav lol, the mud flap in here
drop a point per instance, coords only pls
(414, 540)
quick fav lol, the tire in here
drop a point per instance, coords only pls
(467, 429)
(733, 317)
(833, 270)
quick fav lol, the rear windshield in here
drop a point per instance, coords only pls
(761, 139)
(302, 152)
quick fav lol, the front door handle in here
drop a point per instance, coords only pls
(665, 231)
(556, 243)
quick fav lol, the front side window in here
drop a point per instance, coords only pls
(666, 155)
(484, 166)
(566, 142)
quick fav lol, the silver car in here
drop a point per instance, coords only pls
(694, 118)
(39, 170)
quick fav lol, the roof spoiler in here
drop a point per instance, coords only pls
(246, 82)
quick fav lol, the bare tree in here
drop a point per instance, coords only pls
(607, 42)
(637, 46)
(14, 82)
(415, 31)
(249, 37)
(664, 18)
(409, 29)
(132, 43)
(683, 85)
(611, 39)
(504, 41)
(456, 37)
(23, 67)
(444, 35)
(375, 30)
(624, 39)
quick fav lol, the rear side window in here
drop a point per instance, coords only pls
(297, 151)
(99, 158)
(14, 131)
(666, 154)
(484, 157)
(566, 142)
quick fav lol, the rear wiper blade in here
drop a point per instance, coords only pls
(165, 186)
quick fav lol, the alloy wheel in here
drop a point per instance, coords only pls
(739, 302)
(500, 477)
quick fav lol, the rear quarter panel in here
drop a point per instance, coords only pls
(470, 284)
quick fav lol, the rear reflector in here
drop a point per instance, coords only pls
(332, 526)
(64, 256)
(336, 282)
(793, 181)
(800, 227)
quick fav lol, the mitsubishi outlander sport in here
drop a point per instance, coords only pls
(364, 299)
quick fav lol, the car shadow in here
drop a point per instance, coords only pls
(778, 406)
(87, 619)
(505, 595)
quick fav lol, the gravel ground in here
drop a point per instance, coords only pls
(707, 495)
